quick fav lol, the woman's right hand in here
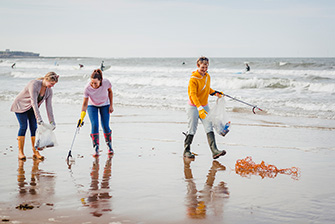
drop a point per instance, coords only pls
(111, 109)
(81, 119)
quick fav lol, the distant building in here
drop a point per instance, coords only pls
(17, 54)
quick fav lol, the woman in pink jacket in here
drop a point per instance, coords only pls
(26, 107)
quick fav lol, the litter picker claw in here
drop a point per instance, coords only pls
(75, 134)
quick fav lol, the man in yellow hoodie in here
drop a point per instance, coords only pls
(198, 92)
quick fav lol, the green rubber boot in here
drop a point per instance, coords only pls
(187, 146)
(211, 141)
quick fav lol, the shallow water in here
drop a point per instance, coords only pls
(147, 181)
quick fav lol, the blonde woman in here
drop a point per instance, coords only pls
(26, 107)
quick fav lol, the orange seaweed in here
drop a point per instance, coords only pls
(246, 167)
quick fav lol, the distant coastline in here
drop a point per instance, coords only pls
(18, 54)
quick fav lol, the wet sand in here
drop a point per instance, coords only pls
(148, 181)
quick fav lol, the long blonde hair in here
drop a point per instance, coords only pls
(50, 76)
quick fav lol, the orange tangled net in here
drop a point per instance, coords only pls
(246, 167)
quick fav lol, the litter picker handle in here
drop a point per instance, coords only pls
(79, 122)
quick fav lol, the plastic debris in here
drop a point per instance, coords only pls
(246, 167)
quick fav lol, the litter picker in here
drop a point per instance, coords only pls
(75, 134)
(253, 106)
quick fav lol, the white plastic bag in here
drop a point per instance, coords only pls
(219, 117)
(45, 137)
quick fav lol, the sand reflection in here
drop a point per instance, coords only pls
(40, 186)
(208, 201)
(99, 197)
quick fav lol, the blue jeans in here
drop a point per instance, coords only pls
(94, 117)
(193, 119)
(24, 119)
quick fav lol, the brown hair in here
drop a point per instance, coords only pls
(97, 74)
(50, 76)
(202, 60)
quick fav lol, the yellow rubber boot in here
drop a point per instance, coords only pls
(20, 140)
(36, 153)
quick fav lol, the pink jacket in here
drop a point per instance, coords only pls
(27, 98)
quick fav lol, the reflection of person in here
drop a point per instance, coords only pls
(198, 92)
(247, 67)
(21, 178)
(98, 98)
(38, 188)
(209, 198)
(102, 66)
(99, 197)
(26, 107)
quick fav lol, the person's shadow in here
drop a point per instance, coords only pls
(210, 199)
(99, 198)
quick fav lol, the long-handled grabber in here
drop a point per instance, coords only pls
(253, 106)
(75, 134)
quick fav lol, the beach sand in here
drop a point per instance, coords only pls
(148, 181)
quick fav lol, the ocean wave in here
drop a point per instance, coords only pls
(150, 69)
(321, 87)
(297, 87)
(273, 83)
(318, 77)
(305, 65)
(149, 81)
(295, 107)
(8, 95)
(275, 73)
(24, 74)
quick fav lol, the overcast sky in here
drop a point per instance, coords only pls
(169, 28)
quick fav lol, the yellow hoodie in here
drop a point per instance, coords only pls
(199, 89)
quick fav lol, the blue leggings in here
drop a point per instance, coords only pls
(25, 118)
(104, 116)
